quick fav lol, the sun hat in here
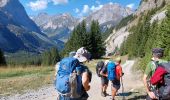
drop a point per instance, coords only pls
(82, 55)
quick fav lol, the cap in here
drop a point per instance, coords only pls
(82, 54)
(157, 50)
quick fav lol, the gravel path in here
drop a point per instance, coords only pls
(130, 80)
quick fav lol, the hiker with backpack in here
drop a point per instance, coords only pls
(114, 75)
(73, 77)
(157, 54)
(104, 80)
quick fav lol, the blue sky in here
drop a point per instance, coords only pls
(77, 8)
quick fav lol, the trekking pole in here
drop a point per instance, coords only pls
(122, 88)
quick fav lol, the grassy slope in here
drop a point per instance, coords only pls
(17, 80)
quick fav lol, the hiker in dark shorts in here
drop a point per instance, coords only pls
(116, 83)
(104, 80)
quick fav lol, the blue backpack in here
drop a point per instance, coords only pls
(68, 82)
(111, 68)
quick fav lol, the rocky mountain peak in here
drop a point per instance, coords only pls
(111, 13)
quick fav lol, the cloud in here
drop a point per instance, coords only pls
(38, 5)
(93, 8)
(56, 2)
(76, 10)
(86, 9)
(111, 3)
(130, 5)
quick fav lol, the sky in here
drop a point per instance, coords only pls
(77, 8)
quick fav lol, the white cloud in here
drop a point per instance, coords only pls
(111, 3)
(56, 2)
(93, 8)
(76, 10)
(86, 9)
(130, 5)
(38, 5)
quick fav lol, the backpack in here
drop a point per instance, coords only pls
(99, 67)
(68, 82)
(111, 68)
(161, 78)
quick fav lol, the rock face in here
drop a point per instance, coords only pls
(116, 39)
(109, 14)
(18, 31)
(56, 26)
(150, 4)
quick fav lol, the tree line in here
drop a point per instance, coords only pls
(80, 37)
(145, 36)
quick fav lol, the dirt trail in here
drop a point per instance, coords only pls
(133, 88)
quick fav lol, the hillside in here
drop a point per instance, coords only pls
(18, 31)
(122, 33)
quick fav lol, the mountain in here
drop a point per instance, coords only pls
(60, 26)
(18, 31)
(56, 26)
(109, 15)
(149, 10)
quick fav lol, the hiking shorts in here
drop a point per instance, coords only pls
(116, 84)
(104, 81)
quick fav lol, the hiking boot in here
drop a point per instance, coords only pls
(103, 94)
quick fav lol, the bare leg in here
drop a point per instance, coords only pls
(113, 92)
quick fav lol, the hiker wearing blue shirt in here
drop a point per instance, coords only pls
(73, 77)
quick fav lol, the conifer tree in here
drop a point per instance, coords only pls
(50, 57)
(2, 59)
(97, 45)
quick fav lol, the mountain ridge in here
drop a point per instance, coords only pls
(18, 31)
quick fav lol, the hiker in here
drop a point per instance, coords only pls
(161, 78)
(114, 75)
(104, 80)
(157, 54)
(73, 77)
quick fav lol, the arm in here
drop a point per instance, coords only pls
(101, 73)
(121, 72)
(85, 81)
(150, 93)
(145, 83)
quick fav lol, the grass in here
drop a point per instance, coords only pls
(18, 80)
(20, 71)
(15, 80)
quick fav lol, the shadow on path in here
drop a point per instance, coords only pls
(136, 96)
